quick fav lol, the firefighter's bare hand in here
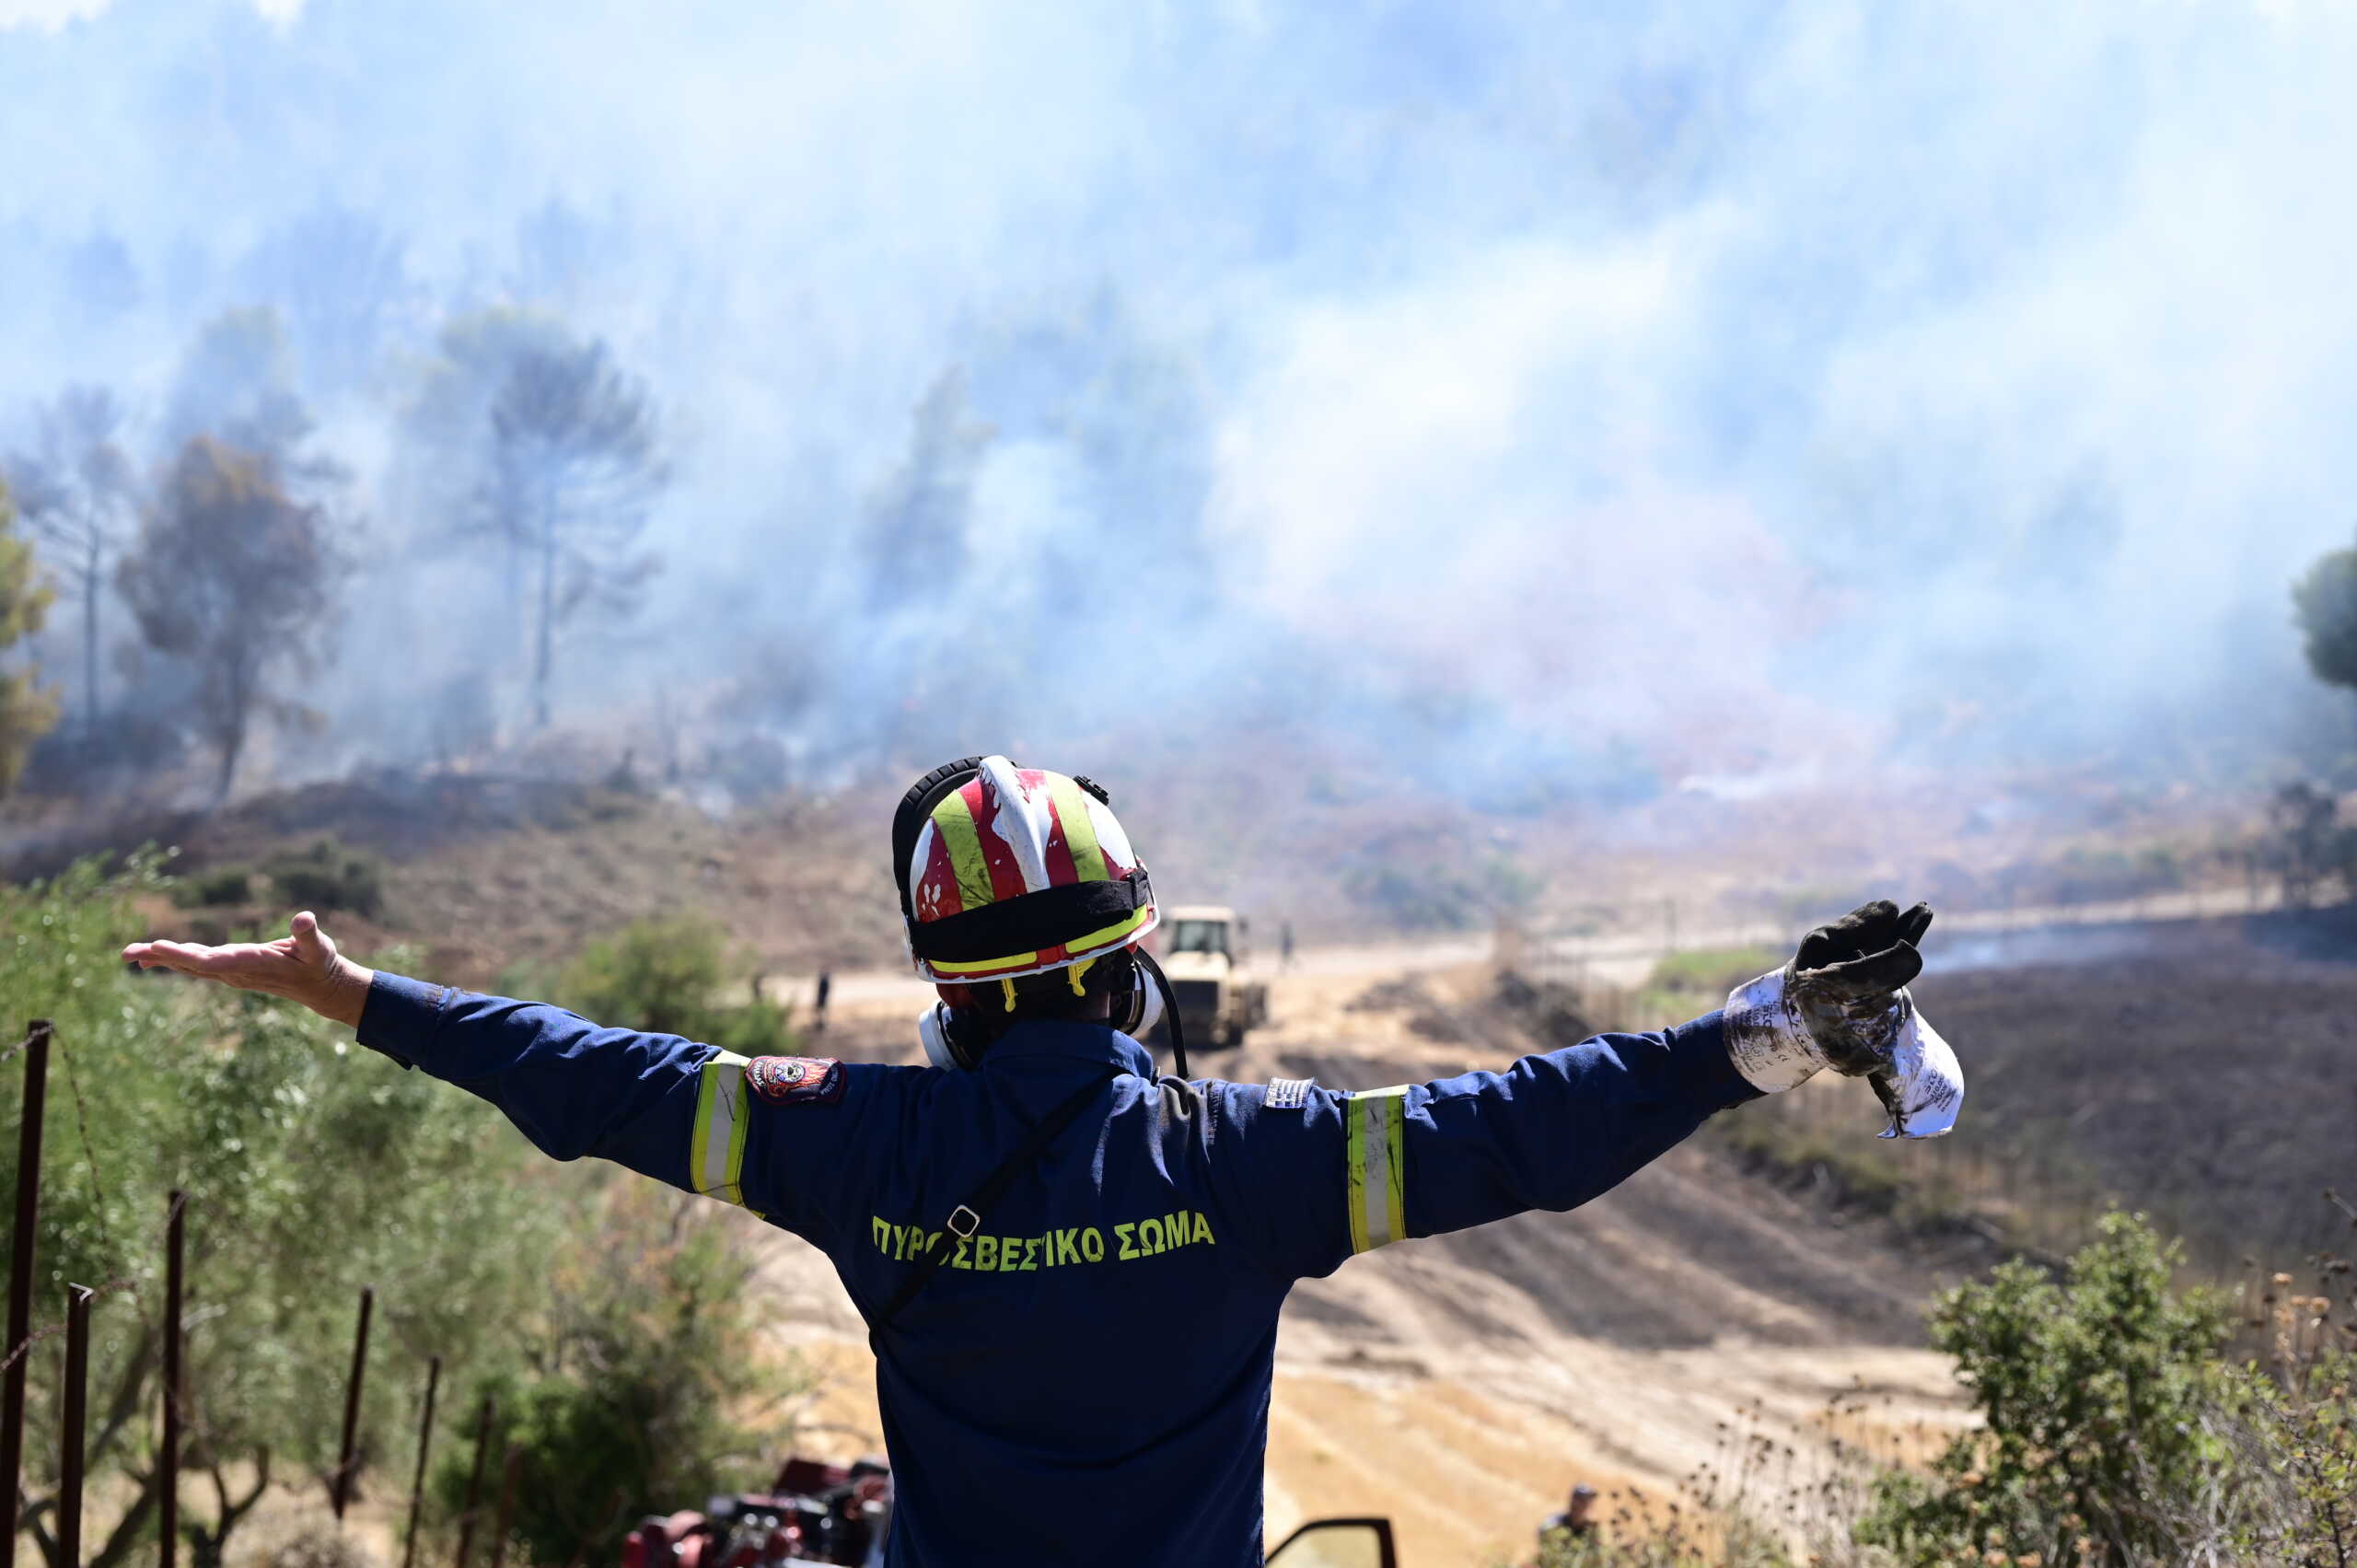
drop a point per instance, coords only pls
(302, 966)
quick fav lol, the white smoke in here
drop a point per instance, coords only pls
(1703, 386)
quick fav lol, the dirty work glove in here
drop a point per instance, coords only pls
(1843, 1003)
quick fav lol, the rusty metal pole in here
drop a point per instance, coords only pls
(474, 1483)
(424, 1443)
(167, 1513)
(506, 1505)
(343, 1489)
(77, 1406)
(20, 1271)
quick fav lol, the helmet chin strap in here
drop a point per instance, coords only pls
(1169, 1008)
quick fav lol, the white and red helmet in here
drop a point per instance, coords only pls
(1007, 871)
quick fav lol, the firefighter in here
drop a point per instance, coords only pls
(1575, 1523)
(1071, 1265)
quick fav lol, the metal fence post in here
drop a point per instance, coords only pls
(424, 1443)
(474, 1483)
(167, 1513)
(77, 1417)
(20, 1271)
(341, 1490)
(507, 1504)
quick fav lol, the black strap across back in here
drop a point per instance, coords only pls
(967, 1217)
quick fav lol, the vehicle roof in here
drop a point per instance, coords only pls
(1199, 912)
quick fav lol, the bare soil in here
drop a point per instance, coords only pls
(2205, 1071)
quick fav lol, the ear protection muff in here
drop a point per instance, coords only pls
(954, 1039)
(940, 1029)
(1145, 1008)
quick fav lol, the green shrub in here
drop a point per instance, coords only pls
(212, 889)
(329, 876)
(1688, 984)
(1714, 970)
(651, 1362)
(668, 976)
(2099, 1394)
(759, 1028)
(311, 1167)
(659, 975)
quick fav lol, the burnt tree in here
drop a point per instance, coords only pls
(77, 494)
(238, 578)
(576, 462)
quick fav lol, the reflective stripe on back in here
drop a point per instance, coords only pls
(1375, 1122)
(716, 1153)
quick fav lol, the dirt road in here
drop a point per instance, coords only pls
(1460, 1384)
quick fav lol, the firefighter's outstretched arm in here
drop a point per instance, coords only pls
(663, 1105)
(1559, 1128)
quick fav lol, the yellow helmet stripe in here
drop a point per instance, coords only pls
(1079, 945)
(962, 837)
(1080, 832)
(1374, 1126)
(1111, 934)
(986, 967)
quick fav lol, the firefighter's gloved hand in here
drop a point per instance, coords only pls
(1843, 1003)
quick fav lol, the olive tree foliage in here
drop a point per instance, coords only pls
(26, 711)
(575, 461)
(238, 578)
(616, 1320)
(312, 1167)
(649, 1385)
(78, 494)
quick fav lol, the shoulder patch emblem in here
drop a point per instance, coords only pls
(796, 1080)
(1289, 1094)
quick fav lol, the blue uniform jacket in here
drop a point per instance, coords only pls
(1088, 1381)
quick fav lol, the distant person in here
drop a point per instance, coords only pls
(819, 1008)
(1575, 1523)
(1285, 944)
(1071, 1266)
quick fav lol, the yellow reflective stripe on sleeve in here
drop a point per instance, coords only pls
(954, 820)
(1374, 1125)
(716, 1154)
(1080, 832)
